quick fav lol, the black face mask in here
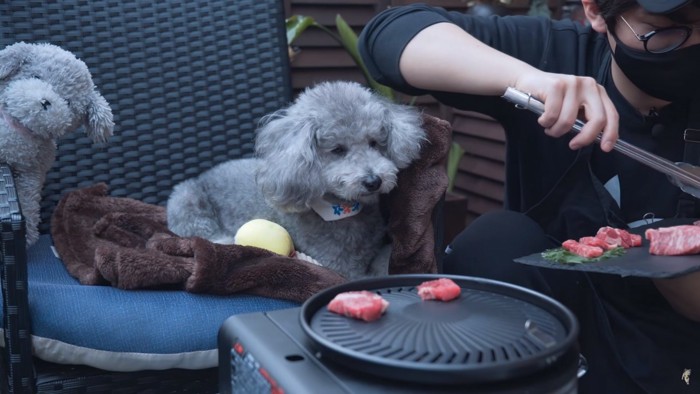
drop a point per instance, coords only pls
(670, 76)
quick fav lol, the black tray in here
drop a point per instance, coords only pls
(635, 262)
(494, 331)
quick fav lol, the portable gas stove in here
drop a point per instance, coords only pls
(494, 339)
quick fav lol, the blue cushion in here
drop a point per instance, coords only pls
(125, 330)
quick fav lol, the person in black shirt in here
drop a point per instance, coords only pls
(633, 71)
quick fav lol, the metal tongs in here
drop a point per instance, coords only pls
(684, 175)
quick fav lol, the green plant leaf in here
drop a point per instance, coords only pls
(348, 39)
(453, 157)
(296, 24)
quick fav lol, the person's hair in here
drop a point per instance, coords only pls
(611, 9)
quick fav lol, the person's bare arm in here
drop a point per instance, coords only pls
(445, 57)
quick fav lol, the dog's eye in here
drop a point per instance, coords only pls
(373, 144)
(339, 150)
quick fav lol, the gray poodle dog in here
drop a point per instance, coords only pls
(45, 93)
(320, 167)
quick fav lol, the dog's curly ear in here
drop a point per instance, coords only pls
(286, 145)
(406, 134)
(12, 58)
(99, 124)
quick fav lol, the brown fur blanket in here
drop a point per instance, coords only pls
(105, 240)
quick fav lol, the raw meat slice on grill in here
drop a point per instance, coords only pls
(361, 305)
(674, 241)
(619, 237)
(442, 289)
(583, 250)
(595, 241)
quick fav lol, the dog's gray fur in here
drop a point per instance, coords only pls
(334, 141)
(45, 93)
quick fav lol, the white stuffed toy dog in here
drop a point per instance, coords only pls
(45, 93)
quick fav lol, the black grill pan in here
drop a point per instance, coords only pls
(494, 331)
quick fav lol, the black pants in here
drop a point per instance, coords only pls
(487, 249)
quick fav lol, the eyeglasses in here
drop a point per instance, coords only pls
(663, 40)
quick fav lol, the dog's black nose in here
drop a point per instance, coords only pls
(372, 183)
(45, 103)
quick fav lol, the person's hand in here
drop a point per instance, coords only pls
(567, 98)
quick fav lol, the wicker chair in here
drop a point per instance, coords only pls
(187, 82)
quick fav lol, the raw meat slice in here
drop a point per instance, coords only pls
(619, 237)
(636, 240)
(583, 250)
(595, 241)
(615, 236)
(674, 241)
(361, 305)
(443, 289)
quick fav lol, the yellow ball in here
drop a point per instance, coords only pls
(265, 234)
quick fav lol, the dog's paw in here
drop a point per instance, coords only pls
(307, 258)
(224, 240)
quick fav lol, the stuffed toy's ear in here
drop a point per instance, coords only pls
(98, 123)
(12, 57)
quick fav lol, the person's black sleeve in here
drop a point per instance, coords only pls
(384, 38)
